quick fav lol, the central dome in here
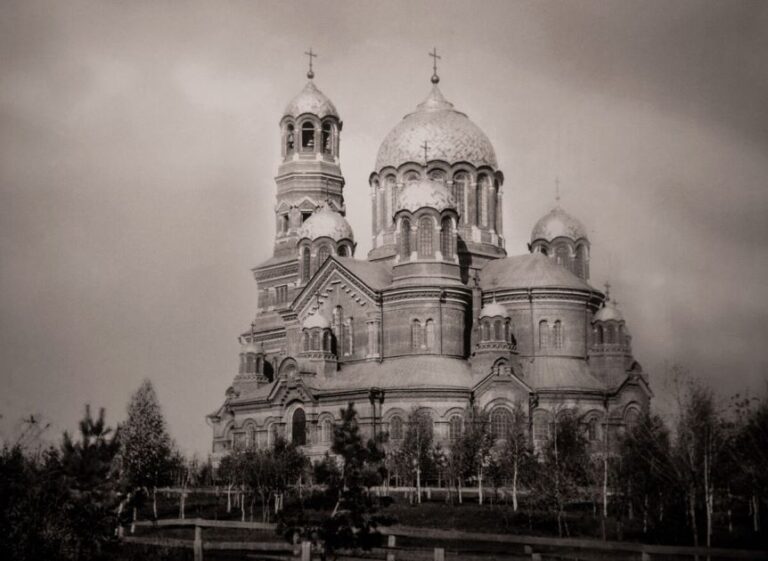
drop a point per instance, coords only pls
(449, 134)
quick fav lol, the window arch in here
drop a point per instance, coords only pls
(540, 425)
(415, 335)
(460, 186)
(327, 137)
(290, 139)
(455, 428)
(562, 256)
(308, 136)
(592, 433)
(497, 335)
(631, 418)
(396, 428)
(322, 254)
(299, 427)
(405, 239)
(326, 431)
(446, 238)
(557, 334)
(343, 251)
(426, 231)
(501, 421)
(543, 334)
(429, 334)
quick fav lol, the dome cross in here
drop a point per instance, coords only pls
(425, 146)
(311, 55)
(435, 58)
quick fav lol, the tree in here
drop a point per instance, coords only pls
(471, 452)
(146, 448)
(416, 454)
(355, 518)
(516, 454)
(564, 466)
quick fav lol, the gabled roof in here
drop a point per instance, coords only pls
(528, 271)
(560, 373)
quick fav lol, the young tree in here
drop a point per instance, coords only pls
(516, 455)
(355, 518)
(471, 452)
(416, 454)
(146, 448)
(89, 479)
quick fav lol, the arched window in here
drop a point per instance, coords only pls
(501, 421)
(349, 337)
(507, 332)
(631, 418)
(305, 265)
(415, 335)
(543, 334)
(391, 192)
(540, 425)
(425, 237)
(250, 367)
(620, 339)
(381, 206)
(486, 331)
(412, 177)
(405, 239)
(460, 182)
(299, 428)
(327, 138)
(580, 267)
(342, 251)
(557, 334)
(290, 139)
(250, 441)
(592, 428)
(327, 341)
(396, 428)
(562, 256)
(315, 340)
(497, 330)
(429, 330)
(600, 338)
(455, 427)
(609, 338)
(322, 254)
(480, 200)
(308, 137)
(284, 223)
(326, 431)
(446, 238)
(259, 362)
(305, 341)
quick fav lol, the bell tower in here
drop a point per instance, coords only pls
(309, 174)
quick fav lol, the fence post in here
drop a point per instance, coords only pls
(391, 541)
(197, 547)
(306, 551)
(645, 556)
(439, 554)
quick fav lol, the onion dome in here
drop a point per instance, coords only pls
(449, 134)
(609, 312)
(310, 100)
(492, 310)
(556, 224)
(249, 347)
(316, 320)
(425, 193)
(326, 223)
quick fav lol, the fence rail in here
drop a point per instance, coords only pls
(528, 544)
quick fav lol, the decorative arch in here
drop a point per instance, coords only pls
(288, 368)
(501, 423)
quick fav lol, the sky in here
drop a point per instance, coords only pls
(139, 142)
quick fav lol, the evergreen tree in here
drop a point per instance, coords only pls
(146, 448)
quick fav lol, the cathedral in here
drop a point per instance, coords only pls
(438, 317)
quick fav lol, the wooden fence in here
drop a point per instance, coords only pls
(523, 547)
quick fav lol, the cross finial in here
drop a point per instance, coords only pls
(607, 291)
(425, 146)
(435, 58)
(253, 330)
(311, 55)
(557, 190)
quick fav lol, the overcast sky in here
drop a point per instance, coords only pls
(139, 141)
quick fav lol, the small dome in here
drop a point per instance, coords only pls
(249, 347)
(326, 223)
(493, 310)
(609, 312)
(425, 193)
(316, 320)
(310, 100)
(449, 134)
(558, 223)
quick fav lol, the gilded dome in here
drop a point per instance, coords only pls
(492, 310)
(310, 100)
(425, 193)
(558, 223)
(326, 223)
(449, 134)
